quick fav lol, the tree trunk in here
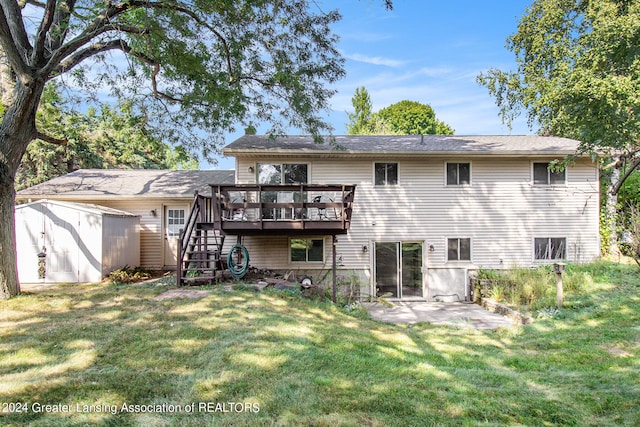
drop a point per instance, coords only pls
(17, 130)
(611, 212)
(9, 285)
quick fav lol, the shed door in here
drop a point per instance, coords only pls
(61, 241)
(29, 235)
(174, 220)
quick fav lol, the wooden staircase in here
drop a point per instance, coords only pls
(256, 210)
(200, 246)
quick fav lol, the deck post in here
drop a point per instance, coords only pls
(179, 259)
(334, 280)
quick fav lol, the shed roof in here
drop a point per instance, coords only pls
(497, 145)
(116, 183)
(85, 207)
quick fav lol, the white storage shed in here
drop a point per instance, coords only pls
(74, 242)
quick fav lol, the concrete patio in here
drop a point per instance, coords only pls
(465, 315)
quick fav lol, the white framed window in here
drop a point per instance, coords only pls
(283, 173)
(458, 173)
(549, 248)
(175, 221)
(544, 175)
(459, 249)
(385, 173)
(280, 173)
(306, 250)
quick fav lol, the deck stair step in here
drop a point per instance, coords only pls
(201, 244)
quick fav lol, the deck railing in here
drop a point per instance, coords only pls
(251, 208)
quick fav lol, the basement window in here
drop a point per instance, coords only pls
(550, 248)
(306, 250)
(459, 249)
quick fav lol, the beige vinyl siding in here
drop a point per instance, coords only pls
(501, 211)
(151, 238)
(120, 244)
(152, 245)
(272, 252)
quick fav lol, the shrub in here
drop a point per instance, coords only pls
(528, 284)
(127, 274)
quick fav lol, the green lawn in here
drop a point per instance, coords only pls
(287, 361)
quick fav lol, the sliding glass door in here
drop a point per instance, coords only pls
(398, 269)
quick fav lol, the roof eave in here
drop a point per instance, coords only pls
(380, 153)
(80, 196)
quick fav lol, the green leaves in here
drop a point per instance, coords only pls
(111, 137)
(578, 76)
(210, 64)
(359, 119)
(402, 118)
(578, 72)
(413, 118)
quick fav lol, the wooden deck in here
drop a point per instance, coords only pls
(257, 210)
(287, 209)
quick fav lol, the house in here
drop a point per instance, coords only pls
(160, 198)
(428, 210)
(409, 216)
(73, 242)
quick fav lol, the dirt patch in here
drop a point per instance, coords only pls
(183, 293)
(616, 351)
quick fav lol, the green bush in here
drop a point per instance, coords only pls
(528, 285)
(127, 274)
(535, 288)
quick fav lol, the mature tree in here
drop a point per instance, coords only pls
(359, 119)
(413, 118)
(188, 65)
(401, 118)
(578, 76)
(112, 137)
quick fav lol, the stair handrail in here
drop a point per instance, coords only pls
(190, 224)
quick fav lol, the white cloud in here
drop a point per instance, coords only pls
(375, 60)
(452, 92)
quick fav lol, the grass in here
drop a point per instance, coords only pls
(531, 290)
(310, 363)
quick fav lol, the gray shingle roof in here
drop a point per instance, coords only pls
(111, 183)
(410, 144)
(87, 207)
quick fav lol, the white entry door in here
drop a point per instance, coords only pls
(174, 221)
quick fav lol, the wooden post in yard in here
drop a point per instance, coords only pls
(558, 268)
(334, 241)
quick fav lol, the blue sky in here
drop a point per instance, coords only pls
(425, 51)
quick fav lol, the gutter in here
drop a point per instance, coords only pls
(380, 153)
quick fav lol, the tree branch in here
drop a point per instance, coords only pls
(61, 20)
(35, 3)
(12, 51)
(104, 23)
(45, 25)
(154, 85)
(621, 181)
(199, 21)
(123, 46)
(95, 49)
(98, 26)
(620, 158)
(13, 15)
(51, 139)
